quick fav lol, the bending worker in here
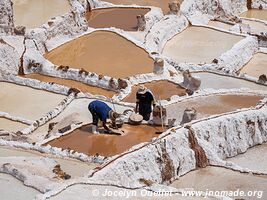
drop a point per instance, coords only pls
(101, 111)
(144, 101)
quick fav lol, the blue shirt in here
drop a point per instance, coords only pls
(100, 108)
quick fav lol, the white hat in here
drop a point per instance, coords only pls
(142, 89)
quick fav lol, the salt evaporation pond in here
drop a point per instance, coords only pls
(256, 27)
(115, 17)
(34, 13)
(255, 13)
(105, 53)
(71, 166)
(9, 125)
(82, 140)
(212, 105)
(31, 104)
(76, 111)
(163, 4)
(161, 90)
(221, 179)
(215, 81)
(221, 25)
(199, 45)
(256, 66)
(13, 189)
(72, 84)
(253, 159)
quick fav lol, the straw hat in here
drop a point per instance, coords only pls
(142, 89)
(113, 115)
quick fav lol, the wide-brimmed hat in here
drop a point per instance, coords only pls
(113, 115)
(142, 89)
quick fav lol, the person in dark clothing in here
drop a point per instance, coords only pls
(101, 111)
(144, 101)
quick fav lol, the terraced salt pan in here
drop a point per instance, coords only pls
(34, 13)
(160, 89)
(82, 140)
(76, 111)
(253, 159)
(256, 66)
(199, 45)
(255, 13)
(221, 25)
(163, 4)
(115, 17)
(72, 84)
(220, 179)
(103, 52)
(256, 27)
(211, 105)
(9, 125)
(215, 81)
(13, 189)
(27, 102)
(73, 167)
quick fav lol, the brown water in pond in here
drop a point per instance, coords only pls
(72, 84)
(160, 89)
(211, 105)
(163, 4)
(256, 66)
(221, 179)
(199, 45)
(82, 140)
(115, 17)
(255, 13)
(103, 52)
(34, 13)
(227, 103)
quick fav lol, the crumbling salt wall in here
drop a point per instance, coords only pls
(259, 4)
(230, 135)
(238, 6)
(234, 59)
(6, 17)
(163, 30)
(201, 11)
(9, 61)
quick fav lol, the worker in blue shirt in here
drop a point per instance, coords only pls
(101, 111)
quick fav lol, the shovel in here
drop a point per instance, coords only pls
(159, 132)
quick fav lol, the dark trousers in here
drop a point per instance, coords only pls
(146, 115)
(145, 111)
(95, 117)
